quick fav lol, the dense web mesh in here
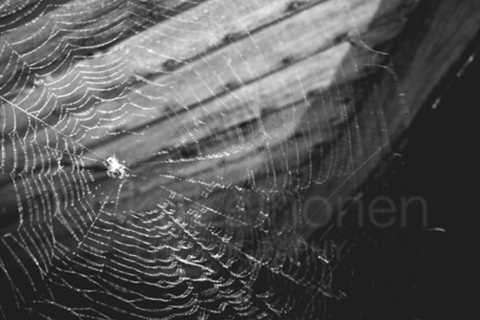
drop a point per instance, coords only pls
(154, 154)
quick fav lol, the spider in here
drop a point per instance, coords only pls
(115, 169)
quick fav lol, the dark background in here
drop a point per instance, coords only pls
(407, 272)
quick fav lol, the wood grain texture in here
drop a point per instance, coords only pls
(259, 99)
(232, 122)
(223, 72)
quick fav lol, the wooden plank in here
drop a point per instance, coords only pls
(218, 73)
(231, 116)
(304, 74)
(255, 102)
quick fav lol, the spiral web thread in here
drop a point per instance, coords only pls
(77, 77)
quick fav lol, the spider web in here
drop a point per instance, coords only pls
(206, 224)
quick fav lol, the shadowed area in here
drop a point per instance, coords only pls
(157, 157)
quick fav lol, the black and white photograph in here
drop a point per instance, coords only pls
(234, 159)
